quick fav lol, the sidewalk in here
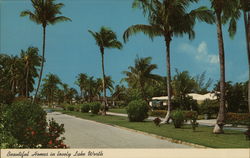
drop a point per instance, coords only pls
(210, 122)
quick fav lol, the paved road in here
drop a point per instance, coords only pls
(82, 133)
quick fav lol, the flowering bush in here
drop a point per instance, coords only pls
(26, 122)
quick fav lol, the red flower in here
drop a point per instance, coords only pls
(50, 142)
(33, 133)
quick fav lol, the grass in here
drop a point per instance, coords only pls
(121, 111)
(202, 136)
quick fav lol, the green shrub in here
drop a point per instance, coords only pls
(95, 107)
(192, 116)
(7, 140)
(85, 107)
(209, 107)
(70, 107)
(137, 110)
(27, 123)
(77, 108)
(158, 113)
(106, 108)
(238, 118)
(178, 118)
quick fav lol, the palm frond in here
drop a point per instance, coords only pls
(150, 30)
(59, 19)
(31, 15)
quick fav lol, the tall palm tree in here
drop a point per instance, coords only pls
(32, 61)
(45, 13)
(244, 5)
(168, 18)
(223, 10)
(106, 38)
(140, 74)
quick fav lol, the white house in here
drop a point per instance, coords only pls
(199, 97)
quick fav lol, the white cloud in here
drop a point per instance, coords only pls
(200, 53)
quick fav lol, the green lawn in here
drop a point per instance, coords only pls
(122, 111)
(202, 136)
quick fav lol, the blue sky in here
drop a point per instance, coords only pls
(71, 50)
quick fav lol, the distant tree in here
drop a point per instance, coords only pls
(45, 13)
(140, 74)
(81, 82)
(106, 38)
(235, 96)
(32, 62)
(50, 87)
(202, 84)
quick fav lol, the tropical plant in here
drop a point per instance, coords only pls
(202, 84)
(27, 123)
(140, 74)
(119, 93)
(81, 82)
(45, 13)
(244, 6)
(31, 61)
(50, 86)
(106, 38)
(168, 18)
(223, 10)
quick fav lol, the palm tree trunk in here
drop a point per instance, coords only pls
(218, 129)
(41, 71)
(247, 31)
(168, 40)
(27, 76)
(103, 82)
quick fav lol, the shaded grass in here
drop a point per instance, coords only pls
(122, 111)
(202, 136)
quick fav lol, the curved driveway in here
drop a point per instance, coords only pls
(82, 133)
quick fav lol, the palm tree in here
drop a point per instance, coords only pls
(245, 7)
(140, 74)
(16, 74)
(223, 10)
(50, 86)
(45, 13)
(106, 38)
(81, 82)
(168, 18)
(109, 83)
(31, 60)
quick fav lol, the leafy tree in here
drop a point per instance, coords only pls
(106, 38)
(140, 74)
(235, 96)
(168, 18)
(45, 13)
